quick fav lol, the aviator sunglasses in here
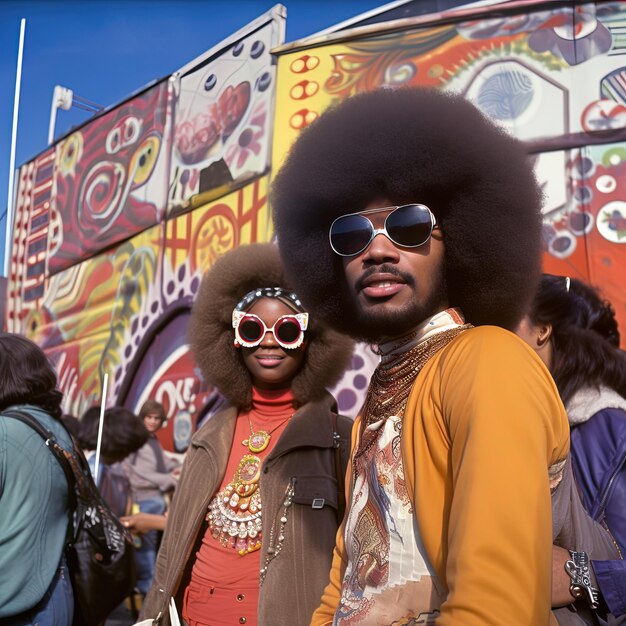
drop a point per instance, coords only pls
(288, 330)
(409, 226)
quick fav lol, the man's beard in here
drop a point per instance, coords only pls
(377, 324)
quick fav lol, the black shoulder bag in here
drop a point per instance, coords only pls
(100, 550)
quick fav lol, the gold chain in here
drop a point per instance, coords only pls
(392, 382)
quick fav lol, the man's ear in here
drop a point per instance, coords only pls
(544, 334)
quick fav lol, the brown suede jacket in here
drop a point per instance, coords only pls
(305, 451)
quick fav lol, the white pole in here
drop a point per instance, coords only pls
(53, 117)
(16, 105)
(102, 408)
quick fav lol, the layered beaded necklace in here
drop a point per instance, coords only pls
(235, 513)
(393, 379)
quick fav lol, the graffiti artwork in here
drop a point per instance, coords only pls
(222, 128)
(117, 222)
(86, 319)
(27, 272)
(109, 180)
(101, 277)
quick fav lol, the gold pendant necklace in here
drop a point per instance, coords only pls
(257, 441)
(260, 439)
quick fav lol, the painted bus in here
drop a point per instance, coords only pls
(116, 222)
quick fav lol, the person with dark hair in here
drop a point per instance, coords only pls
(122, 434)
(154, 413)
(251, 529)
(34, 495)
(408, 219)
(87, 435)
(575, 333)
(72, 424)
(152, 476)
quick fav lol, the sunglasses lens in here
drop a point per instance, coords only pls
(410, 225)
(250, 330)
(350, 234)
(288, 331)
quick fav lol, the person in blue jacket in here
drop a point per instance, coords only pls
(575, 332)
(34, 502)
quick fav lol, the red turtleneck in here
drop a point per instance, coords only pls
(224, 585)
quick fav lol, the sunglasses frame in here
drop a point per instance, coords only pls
(383, 230)
(302, 319)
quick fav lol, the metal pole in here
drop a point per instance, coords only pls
(103, 405)
(53, 116)
(16, 106)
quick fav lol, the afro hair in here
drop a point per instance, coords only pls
(413, 145)
(211, 334)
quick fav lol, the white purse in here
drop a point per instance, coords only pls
(174, 620)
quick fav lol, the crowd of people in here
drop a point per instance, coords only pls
(484, 479)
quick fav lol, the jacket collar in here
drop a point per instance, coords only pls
(303, 429)
(588, 401)
(218, 432)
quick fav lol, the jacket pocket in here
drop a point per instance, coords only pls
(317, 491)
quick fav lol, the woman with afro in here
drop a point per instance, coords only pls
(252, 526)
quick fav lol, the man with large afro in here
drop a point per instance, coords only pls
(408, 219)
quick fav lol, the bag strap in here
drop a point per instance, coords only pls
(341, 489)
(58, 452)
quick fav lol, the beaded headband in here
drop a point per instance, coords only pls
(287, 297)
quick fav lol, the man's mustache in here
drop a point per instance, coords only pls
(409, 279)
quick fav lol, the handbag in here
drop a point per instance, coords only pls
(99, 549)
(174, 619)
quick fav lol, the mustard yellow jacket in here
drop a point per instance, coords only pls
(483, 425)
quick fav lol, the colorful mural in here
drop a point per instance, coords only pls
(122, 312)
(102, 276)
(117, 222)
(109, 179)
(553, 78)
(584, 237)
(222, 129)
(86, 319)
(27, 271)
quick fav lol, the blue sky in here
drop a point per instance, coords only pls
(105, 50)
